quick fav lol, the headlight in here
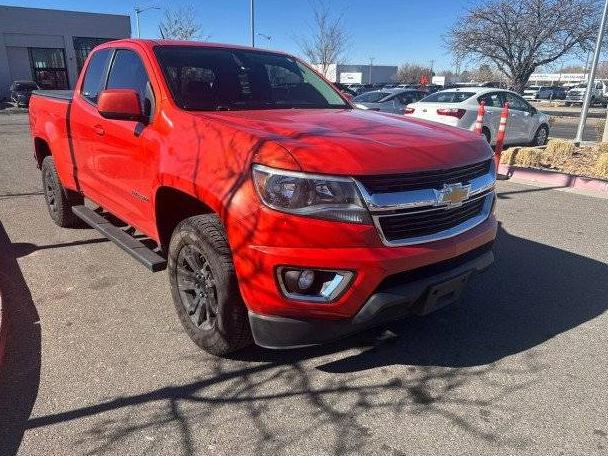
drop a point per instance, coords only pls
(325, 197)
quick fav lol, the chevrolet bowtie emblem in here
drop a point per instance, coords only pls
(453, 195)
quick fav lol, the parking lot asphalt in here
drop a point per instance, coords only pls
(97, 362)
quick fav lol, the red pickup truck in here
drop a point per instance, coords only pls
(283, 215)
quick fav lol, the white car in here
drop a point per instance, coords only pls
(459, 107)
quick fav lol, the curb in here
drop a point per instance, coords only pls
(554, 178)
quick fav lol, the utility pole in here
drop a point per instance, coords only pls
(252, 22)
(590, 81)
(371, 63)
(139, 10)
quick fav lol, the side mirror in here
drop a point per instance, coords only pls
(533, 110)
(120, 104)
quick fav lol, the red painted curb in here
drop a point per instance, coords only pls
(554, 178)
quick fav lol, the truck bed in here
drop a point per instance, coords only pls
(56, 94)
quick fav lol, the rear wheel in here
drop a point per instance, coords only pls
(59, 200)
(204, 286)
(567, 104)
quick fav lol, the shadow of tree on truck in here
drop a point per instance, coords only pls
(449, 367)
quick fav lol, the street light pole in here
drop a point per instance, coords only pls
(252, 22)
(591, 80)
(139, 10)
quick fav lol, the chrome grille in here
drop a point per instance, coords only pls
(389, 183)
(429, 221)
(434, 205)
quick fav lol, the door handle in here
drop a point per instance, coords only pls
(99, 130)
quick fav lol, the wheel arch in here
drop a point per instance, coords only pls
(41, 150)
(171, 207)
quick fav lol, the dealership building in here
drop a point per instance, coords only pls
(359, 74)
(50, 46)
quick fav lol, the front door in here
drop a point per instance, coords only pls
(518, 124)
(123, 166)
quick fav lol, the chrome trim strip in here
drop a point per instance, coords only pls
(451, 232)
(435, 208)
(380, 202)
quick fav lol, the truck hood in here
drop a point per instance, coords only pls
(356, 142)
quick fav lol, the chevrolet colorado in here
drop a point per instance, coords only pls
(283, 215)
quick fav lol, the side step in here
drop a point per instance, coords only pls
(149, 258)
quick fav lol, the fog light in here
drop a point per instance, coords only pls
(307, 277)
(317, 285)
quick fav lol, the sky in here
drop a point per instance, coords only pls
(391, 32)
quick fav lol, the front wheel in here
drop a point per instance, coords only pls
(204, 286)
(541, 137)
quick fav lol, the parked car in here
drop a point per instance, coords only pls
(388, 100)
(21, 91)
(459, 108)
(551, 93)
(599, 94)
(531, 93)
(284, 215)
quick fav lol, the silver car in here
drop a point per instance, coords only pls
(388, 100)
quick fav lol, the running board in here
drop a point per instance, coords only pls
(146, 256)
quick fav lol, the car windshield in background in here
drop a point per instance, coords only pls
(447, 97)
(208, 79)
(24, 86)
(370, 97)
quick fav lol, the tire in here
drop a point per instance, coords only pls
(541, 136)
(485, 132)
(205, 288)
(567, 104)
(59, 200)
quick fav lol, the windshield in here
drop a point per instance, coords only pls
(447, 97)
(210, 79)
(25, 86)
(370, 97)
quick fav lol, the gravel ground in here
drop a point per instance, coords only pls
(97, 362)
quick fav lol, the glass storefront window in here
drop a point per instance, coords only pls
(48, 68)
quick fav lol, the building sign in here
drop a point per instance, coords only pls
(558, 77)
(351, 78)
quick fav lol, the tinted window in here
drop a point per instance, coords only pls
(409, 97)
(93, 79)
(371, 97)
(515, 102)
(447, 97)
(492, 100)
(128, 72)
(217, 79)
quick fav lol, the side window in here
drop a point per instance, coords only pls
(93, 78)
(515, 102)
(128, 72)
(492, 100)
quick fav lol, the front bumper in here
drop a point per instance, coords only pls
(416, 292)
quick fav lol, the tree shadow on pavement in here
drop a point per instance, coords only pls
(20, 367)
(447, 365)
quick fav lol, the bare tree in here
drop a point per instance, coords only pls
(180, 23)
(328, 40)
(518, 36)
(410, 73)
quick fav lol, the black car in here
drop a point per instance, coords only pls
(21, 91)
(551, 93)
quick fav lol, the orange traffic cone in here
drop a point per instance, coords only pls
(500, 136)
(480, 113)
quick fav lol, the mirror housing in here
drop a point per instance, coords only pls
(120, 104)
